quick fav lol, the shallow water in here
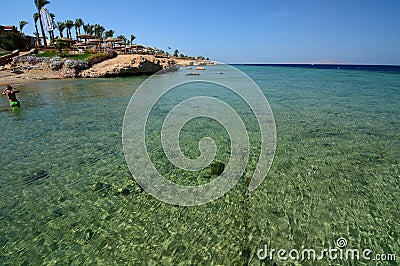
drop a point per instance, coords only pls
(335, 174)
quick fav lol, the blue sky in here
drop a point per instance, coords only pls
(239, 31)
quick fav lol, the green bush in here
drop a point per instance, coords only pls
(88, 51)
(97, 58)
(11, 41)
(60, 45)
(47, 53)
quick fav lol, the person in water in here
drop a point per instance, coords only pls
(10, 93)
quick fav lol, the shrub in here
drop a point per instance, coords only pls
(56, 63)
(70, 63)
(60, 45)
(88, 51)
(11, 41)
(47, 53)
(33, 60)
(111, 53)
(97, 58)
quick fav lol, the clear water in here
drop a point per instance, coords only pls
(335, 174)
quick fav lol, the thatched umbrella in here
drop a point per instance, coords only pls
(69, 40)
(113, 40)
(79, 44)
(85, 36)
(137, 47)
(94, 41)
(66, 41)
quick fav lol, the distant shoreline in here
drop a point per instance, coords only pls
(383, 68)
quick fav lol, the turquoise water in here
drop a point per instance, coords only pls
(335, 174)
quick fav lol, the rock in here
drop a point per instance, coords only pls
(193, 74)
(217, 168)
(88, 234)
(127, 65)
(35, 176)
(99, 186)
(124, 192)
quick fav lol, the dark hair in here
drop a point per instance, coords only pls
(9, 87)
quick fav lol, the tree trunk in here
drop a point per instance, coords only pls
(41, 27)
(51, 35)
(37, 35)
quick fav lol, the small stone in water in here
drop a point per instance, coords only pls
(217, 168)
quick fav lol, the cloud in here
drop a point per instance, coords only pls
(282, 12)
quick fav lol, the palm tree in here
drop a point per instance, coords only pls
(61, 28)
(78, 24)
(35, 19)
(87, 28)
(109, 33)
(92, 27)
(22, 24)
(98, 30)
(39, 5)
(69, 24)
(132, 38)
(176, 52)
(123, 38)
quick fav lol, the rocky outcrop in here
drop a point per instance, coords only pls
(5, 59)
(127, 65)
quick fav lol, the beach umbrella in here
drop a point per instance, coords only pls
(137, 46)
(65, 39)
(94, 41)
(79, 45)
(113, 40)
(86, 36)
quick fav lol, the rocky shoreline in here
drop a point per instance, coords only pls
(128, 65)
(122, 65)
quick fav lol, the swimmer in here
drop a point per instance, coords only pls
(10, 93)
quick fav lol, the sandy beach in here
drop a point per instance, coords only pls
(6, 77)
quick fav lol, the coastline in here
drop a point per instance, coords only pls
(367, 67)
(122, 65)
(6, 77)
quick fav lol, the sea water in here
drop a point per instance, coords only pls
(67, 196)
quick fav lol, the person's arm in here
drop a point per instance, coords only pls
(4, 92)
(16, 91)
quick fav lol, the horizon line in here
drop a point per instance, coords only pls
(323, 63)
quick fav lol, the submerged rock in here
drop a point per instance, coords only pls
(100, 186)
(88, 234)
(35, 176)
(217, 168)
(124, 192)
